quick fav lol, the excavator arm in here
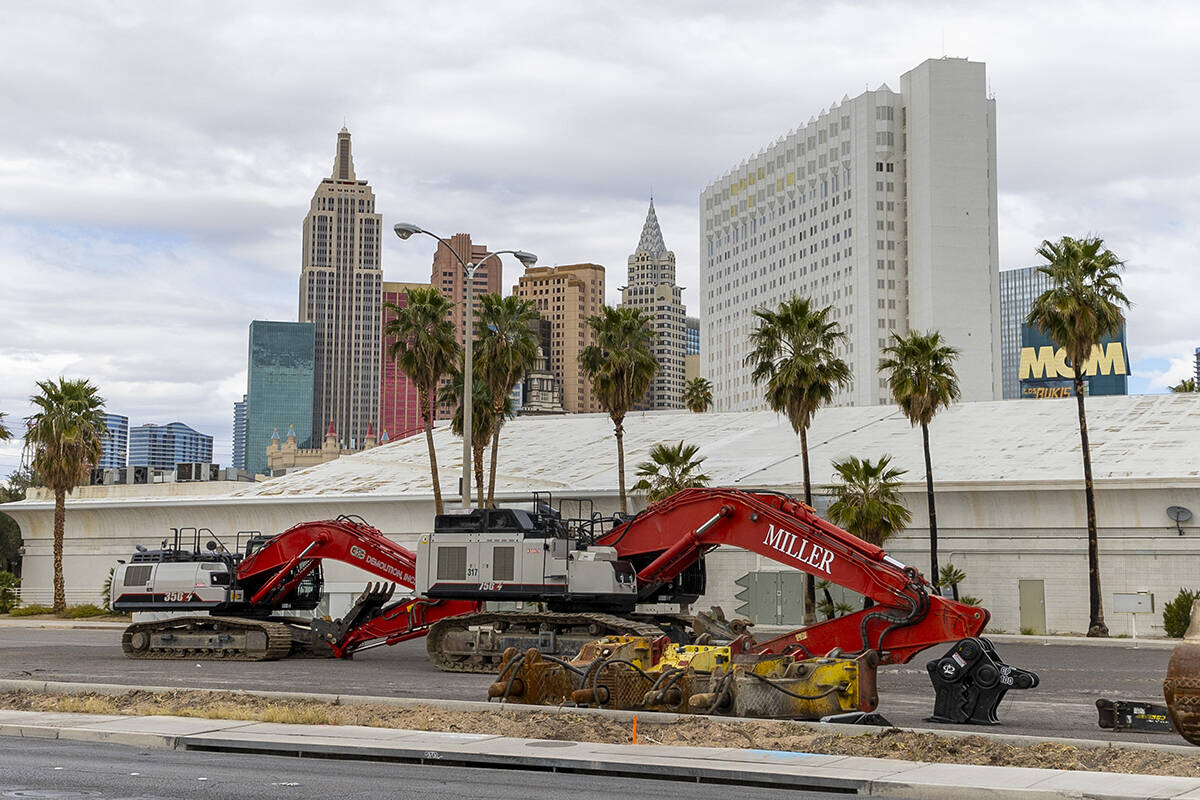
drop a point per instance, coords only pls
(271, 573)
(675, 533)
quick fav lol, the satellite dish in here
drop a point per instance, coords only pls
(1179, 514)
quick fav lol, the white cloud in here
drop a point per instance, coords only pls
(158, 158)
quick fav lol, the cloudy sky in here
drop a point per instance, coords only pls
(157, 159)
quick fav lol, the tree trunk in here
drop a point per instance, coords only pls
(60, 518)
(491, 494)
(427, 415)
(933, 559)
(477, 450)
(619, 430)
(810, 583)
(1096, 626)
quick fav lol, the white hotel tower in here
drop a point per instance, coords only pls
(882, 207)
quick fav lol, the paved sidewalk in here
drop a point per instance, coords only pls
(862, 776)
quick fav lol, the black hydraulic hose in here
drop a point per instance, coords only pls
(789, 693)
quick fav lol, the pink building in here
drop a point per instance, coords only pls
(399, 409)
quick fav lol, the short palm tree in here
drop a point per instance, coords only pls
(425, 348)
(671, 467)
(483, 419)
(63, 438)
(920, 373)
(1185, 385)
(697, 395)
(619, 366)
(793, 352)
(866, 499)
(1083, 305)
(507, 347)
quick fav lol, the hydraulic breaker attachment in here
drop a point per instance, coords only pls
(970, 681)
(638, 673)
(1181, 689)
(1129, 715)
(712, 626)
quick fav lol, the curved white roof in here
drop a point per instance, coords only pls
(1144, 436)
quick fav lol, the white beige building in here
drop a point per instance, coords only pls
(881, 207)
(1010, 505)
(340, 291)
(652, 289)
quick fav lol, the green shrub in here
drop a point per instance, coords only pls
(968, 600)
(30, 610)
(8, 591)
(83, 611)
(1178, 613)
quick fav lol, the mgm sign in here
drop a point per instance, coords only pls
(1045, 373)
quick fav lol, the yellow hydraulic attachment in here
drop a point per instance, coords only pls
(639, 673)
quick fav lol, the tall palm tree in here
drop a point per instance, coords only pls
(483, 420)
(5, 433)
(63, 438)
(920, 373)
(866, 499)
(425, 349)
(794, 355)
(671, 467)
(507, 347)
(697, 395)
(1185, 385)
(619, 366)
(1083, 305)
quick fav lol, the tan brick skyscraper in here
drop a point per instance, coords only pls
(340, 291)
(448, 276)
(566, 296)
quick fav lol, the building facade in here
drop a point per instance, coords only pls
(566, 296)
(164, 446)
(116, 442)
(239, 433)
(286, 454)
(399, 400)
(451, 281)
(882, 208)
(691, 354)
(340, 294)
(279, 386)
(652, 289)
(1018, 289)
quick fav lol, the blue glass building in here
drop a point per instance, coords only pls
(164, 446)
(279, 386)
(116, 442)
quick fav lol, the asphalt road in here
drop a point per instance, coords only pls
(1063, 705)
(35, 768)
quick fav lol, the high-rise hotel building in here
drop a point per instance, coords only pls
(341, 294)
(651, 288)
(883, 208)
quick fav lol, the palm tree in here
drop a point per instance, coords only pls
(1185, 385)
(619, 366)
(671, 467)
(483, 420)
(1083, 305)
(507, 347)
(63, 438)
(794, 353)
(920, 371)
(425, 349)
(5, 433)
(697, 395)
(866, 499)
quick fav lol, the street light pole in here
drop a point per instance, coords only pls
(405, 230)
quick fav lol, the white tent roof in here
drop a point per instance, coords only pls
(1144, 436)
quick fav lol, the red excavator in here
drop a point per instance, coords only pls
(585, 577)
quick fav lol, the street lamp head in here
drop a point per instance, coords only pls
(406, 229)
(526, 258)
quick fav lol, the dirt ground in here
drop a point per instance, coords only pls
(757, 734)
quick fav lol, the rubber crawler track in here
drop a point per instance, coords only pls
(279, 639)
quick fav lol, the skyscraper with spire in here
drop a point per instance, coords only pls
(651, 287)
(341, 293)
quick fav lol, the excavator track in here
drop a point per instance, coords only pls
(476, 642)
(208, 638)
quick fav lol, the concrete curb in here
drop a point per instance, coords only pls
(653, 717)
(76, 624)
(862, 776)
